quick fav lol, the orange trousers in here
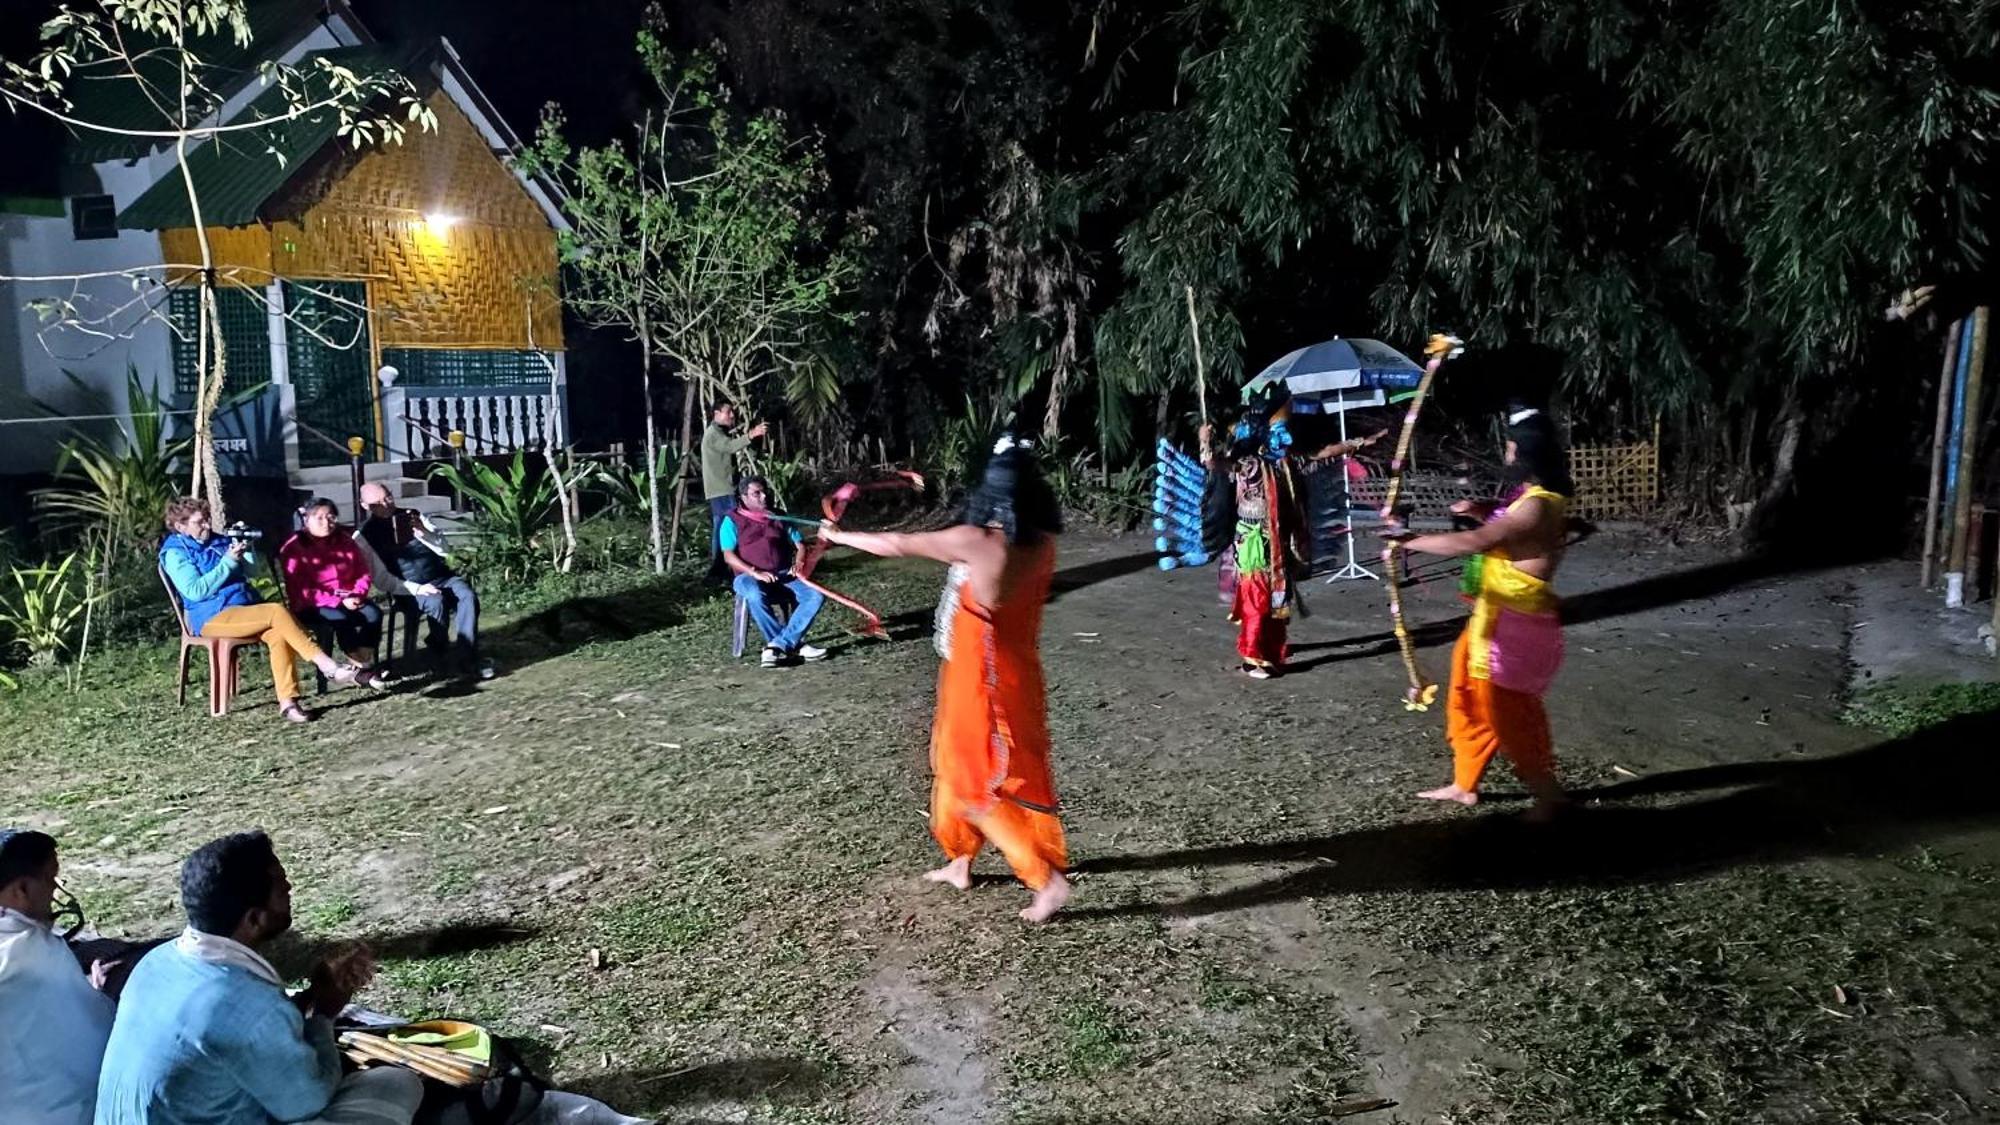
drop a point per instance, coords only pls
(273, 625)
(1030, 840)
(1482, 717)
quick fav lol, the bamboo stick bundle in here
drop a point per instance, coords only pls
(437, 1063)
(1938, 441)
(1968, 465)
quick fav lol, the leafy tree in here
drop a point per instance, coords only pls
(702, 237)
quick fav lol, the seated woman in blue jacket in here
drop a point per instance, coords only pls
(211, 575)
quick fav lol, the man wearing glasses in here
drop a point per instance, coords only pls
(48, 1064)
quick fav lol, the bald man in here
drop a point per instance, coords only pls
(408, 557)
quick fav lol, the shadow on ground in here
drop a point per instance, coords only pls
(1673, 588)
(1890, 794)
(446, 940)
(757, 1078)
(592, 618)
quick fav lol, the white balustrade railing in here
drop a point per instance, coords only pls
(493, 419)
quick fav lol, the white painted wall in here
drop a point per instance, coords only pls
(34, 357)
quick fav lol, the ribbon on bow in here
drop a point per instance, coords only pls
(834, 505)
(1423, 690)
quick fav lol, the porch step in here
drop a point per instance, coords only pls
(334, 476)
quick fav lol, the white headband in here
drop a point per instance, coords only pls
(1520, 416)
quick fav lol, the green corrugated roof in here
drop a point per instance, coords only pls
(120, 102)
(235, 173)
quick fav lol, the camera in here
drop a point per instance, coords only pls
(240, 532)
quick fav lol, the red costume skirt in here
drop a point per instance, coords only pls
(1260, 636)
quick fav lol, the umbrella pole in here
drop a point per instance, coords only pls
(1200, 373)
(1353, 569)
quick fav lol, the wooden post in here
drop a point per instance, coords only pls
(1968, 463)
(1938, 439)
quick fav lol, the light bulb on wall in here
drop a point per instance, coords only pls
(439, 223)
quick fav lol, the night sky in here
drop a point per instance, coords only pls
(525, 53)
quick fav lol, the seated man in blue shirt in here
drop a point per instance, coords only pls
(760, 550)
(205, 1033)
(53, 1019)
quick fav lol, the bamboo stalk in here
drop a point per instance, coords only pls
(1200, 371)
(420, 1066)
(434, 1062)
(1938, 439)
(1968, 463)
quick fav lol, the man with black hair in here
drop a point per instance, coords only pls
(53, 1019)
(718, 476)
(1512, 646)
(206, 1034)
(761, 550)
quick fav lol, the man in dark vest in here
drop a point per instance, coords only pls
(407, 557)
(760, 550)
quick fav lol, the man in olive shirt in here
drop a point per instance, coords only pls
(718, 477)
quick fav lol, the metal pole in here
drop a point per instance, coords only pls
(356, 473)
(456, 439)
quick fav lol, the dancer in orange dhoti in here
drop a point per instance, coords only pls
(990, 740)
(1513, 645)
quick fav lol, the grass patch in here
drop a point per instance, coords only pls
(739, 848)
(1094, 1039)
(1899, 711)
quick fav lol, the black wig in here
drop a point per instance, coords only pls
(1539, 454)
(1013, 496)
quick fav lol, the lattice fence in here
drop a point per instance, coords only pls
(452, 367)
(246, 334)
(1615, 480)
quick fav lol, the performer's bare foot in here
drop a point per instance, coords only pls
(957, 873)
(1451, 793)
(1048, 900)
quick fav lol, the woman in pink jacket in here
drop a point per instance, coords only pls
(326, 577)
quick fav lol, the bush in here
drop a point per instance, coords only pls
(516, 511)
(114, 494)
(44, 609)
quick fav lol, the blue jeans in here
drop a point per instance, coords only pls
(353, 629)
(791, 633)
(456, 598)
(719, 508)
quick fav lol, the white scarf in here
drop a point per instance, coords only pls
(14, 922)
(226, 951)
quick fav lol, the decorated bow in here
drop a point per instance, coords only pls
(834, 505)
(1422, 691)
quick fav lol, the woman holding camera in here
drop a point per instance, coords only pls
(210, 573)
(327, 575)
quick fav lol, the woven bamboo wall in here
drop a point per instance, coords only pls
(1615, 480)
(469, 286)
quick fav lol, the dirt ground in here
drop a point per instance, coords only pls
(688, 883)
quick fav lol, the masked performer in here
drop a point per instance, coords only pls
(990, 740)
(1272, 539)
(1513, 645)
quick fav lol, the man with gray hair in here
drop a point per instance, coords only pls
(409, 558)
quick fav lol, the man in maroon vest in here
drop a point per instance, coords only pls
(760, 550)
